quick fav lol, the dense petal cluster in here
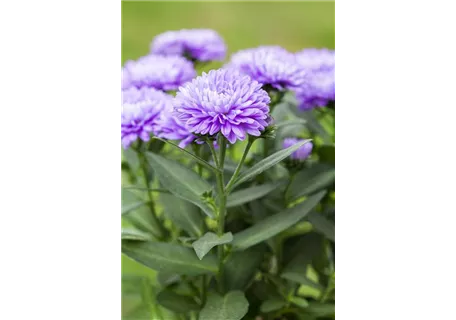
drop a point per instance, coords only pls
(159, 72)
(300, 154)
(320, 89)
(197, 44)
(172, 128)
(270, 65)
(316, 59)
(223, 101)
(141, 111)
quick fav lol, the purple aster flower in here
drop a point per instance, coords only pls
(172, 128)
(223, 101)
(198, 44)
(320, 89)
(270, 65)
(159, 72)
(316, 59)
(300, 154)
(141, 109)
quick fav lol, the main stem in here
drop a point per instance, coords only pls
(161, 230)
(239, 167)
(222, 208)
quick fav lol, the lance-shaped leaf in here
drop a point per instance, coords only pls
(183, 214)
(272, 305)
(322, 225)
(246, 195)
(176, 302)
(275, 224)
(311, 180)
(134, 234)
(204, 244)
(181, 181)
(233, 306)
(268, 162)
(170, 257)
(241, 267)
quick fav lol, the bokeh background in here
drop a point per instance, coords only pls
(292, 25)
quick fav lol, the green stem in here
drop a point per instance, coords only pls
(214, 154)
(222, 204)
(150, 203)
(239, 167)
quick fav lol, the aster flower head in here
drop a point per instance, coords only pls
(300, 154)
(159, 72)
(320, 89)
(141, 109)
(198, 44)
(316, 59)
(172, 128)
(223, 101)
(270, 65)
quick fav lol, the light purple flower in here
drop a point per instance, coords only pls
(172, 128)
(270, 65)
(316, 59)
(223, 101)
(159, 72)
(198, 44)
(300, 154)
(320, 89)
(141, 109)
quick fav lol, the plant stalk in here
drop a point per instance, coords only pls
(239, 167)
(150, 203)
(222, 207)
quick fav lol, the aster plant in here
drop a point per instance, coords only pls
(228, 192)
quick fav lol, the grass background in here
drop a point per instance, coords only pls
(292, 25)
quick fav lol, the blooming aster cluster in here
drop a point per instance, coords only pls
(270, 65)
(159, 72)
(141, 111)
(300, 154)
(223, 101)
(320, 90)
(197, 44)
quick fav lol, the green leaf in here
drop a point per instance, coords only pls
(321, 309)
(291, 122)
(198, 159)
(310, 180)
(130, 201)
(268, 162)
(181, 181)
(300, 302)
(166, 278)
(314, 125)
(170, 257)
(322, 225)
(272, 305)
(233, 306)
(176, 302)
(132, 206)
(141, 218)
(133, 234)
(183, 214)
(241, 267)
(246, 195)
(204, 244)
(131, 158)
(302, 254)
(274, 224)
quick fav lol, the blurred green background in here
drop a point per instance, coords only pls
(292, 25)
